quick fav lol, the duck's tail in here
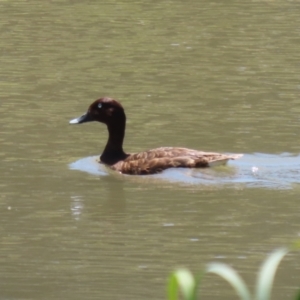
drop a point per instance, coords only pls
(235, 156)
(224, 159)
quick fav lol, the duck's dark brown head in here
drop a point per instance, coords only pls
(105, 110)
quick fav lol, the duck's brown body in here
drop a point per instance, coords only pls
(156, 160)
(110, 112)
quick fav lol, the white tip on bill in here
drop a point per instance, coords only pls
(74, 121)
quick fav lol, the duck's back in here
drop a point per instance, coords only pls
(156, 160)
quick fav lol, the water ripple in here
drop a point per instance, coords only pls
(253, 170)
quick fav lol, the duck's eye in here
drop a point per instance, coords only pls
(100, 105)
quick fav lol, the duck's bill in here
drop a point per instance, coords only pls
(82, 119)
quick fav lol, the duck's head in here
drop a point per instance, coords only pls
(105, 110)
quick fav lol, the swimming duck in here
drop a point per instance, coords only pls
(110, 112)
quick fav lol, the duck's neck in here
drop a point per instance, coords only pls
(113, 151)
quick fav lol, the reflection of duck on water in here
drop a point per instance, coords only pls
(111, 113)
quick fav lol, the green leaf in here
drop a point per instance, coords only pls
(184, 280)
(231, 276)
(298, 296)
(267, 273)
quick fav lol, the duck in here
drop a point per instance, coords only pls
(110, 112)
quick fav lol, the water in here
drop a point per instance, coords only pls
(257, 170)
(210, 76)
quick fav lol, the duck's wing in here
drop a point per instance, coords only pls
(156, 160)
